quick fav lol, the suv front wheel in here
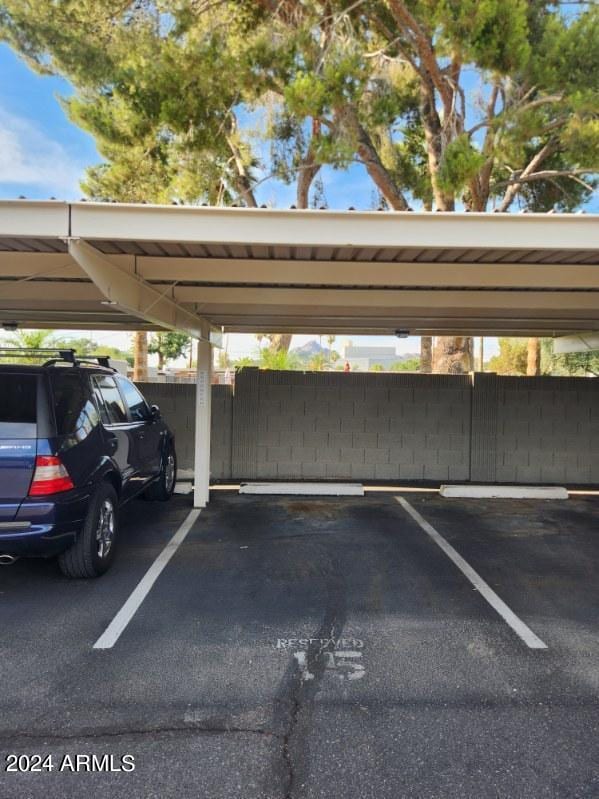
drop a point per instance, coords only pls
(93, 551)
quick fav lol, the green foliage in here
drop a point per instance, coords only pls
(280, 360)
(49, 339)
(317, 363)
(409, 365)
(512, 358)
(32, 339)
(377, 367)
(491, 33)
(461, 162)
(169, 346)
(574, 364)
(241, 363)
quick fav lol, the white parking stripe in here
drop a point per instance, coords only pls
(112, 633)
(518, 626)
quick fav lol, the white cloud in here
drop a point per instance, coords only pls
(29, 157)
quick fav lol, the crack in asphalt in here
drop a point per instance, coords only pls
(134, 731)
(301, 682)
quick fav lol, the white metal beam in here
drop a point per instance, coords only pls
(103, 221)
(369, 273)
(34, 219)
(133, 295)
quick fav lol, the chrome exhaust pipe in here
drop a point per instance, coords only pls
(7, 560)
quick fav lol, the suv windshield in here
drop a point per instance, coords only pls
(18, 403)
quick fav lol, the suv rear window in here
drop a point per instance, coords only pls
(18, 406)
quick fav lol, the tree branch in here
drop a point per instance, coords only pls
(424, 47)
(512, 185)
(545, 174)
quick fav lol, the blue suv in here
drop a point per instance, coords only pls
(77, 441)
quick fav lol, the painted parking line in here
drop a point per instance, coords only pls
(112, 633)
(518, 626)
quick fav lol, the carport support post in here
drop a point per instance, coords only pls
(201, 488)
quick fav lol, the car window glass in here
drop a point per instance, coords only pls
(137, 405)
(113, 402)
(73, 408)
(18, 398)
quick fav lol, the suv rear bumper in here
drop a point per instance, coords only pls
(52, 525)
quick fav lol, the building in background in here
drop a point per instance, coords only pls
(364, 358)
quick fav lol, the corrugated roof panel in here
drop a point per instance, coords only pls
(131, 248)
(581, 256)
(510, 256)
(258, 251)
(428, 255)
(238, 251)
(492, 256)
(153, 249)
(323, 253)
(107, 247)
(363, 254)
(216, 250)
(532, 257)
(471, 256)
(196, 250)
(386, 254)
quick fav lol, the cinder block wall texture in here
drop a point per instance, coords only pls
(328, 425)
(535, 429)
(177, 404)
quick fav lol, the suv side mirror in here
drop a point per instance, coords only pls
(155, 410)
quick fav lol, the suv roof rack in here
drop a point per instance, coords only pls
(61, 355)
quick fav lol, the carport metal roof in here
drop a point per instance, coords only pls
(105, 265)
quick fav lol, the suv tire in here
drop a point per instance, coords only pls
(164, 487)
(93, 551)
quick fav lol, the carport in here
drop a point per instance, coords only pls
(208, 270)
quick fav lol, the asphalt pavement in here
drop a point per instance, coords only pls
(297, 648)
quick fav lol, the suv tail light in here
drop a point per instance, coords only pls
(50, 477)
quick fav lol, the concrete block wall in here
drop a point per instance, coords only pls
(537, 430)
(365, 426)
(329, 425)
(177, 404)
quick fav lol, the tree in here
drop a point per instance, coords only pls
(317, 362)
(512, 358)
(162, 86)
(240, 363)
(409, 365)
(426, 354)
(169, 346)
(32, 339)
(330, 342)
(140, 356)
(282, 360)
(533, 357)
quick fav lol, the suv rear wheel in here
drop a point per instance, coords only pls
(93, 551)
